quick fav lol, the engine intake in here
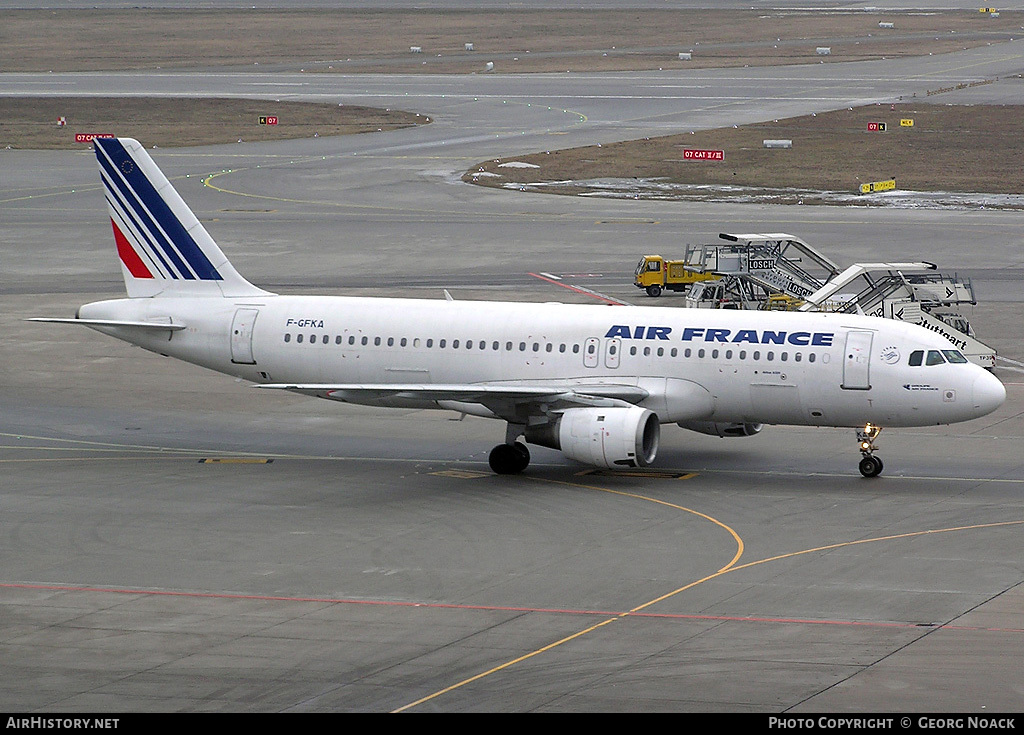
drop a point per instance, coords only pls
(602, 437)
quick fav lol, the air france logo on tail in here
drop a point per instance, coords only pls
(151, 240)
(702, 334)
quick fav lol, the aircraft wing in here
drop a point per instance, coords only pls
(506, 401)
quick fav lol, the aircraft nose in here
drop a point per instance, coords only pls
(988, 392)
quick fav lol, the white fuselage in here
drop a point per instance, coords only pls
(761, 367)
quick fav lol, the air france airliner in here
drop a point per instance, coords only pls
(595, 382)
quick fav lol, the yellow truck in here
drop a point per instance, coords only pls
(655, 274)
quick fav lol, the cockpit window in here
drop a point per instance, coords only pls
(934, 358)
(954, 356)
(916, 357)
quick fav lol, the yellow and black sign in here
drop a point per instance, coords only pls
(907, 122)
(987, 10)
(874, 186)
(268, 119)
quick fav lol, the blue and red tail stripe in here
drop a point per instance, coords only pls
(147, 222)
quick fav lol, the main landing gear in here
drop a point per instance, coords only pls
(870, 465)
(509, 459)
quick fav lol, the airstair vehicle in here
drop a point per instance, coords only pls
(780, 271)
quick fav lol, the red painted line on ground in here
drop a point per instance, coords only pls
(488, 608)
(584, 291)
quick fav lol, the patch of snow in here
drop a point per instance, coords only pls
(663, 190)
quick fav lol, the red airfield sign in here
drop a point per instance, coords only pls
(694, 154)
(89, 137)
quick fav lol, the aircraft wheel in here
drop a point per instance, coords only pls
(871, 466)
(524, 454)
(509, 459)
(654, 290)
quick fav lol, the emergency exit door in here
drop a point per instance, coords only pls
(241, 336)
(857, 361)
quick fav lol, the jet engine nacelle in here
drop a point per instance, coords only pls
(625, 436)
(723, 429)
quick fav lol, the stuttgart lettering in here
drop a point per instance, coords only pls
(702, 334)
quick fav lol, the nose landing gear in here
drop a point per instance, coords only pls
(870, 465)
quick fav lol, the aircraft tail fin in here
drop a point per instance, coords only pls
(164, 250)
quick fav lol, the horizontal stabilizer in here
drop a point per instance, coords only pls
(162, 326)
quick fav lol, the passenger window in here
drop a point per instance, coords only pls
(632, 350)
(442, 343)
(364, 340)
(934, 358)
(674, 352)
(287, 337)
(549, 347)
(404, 342)
(352, 340)
(954, 356)
(298, 337)
(810, 357)
(391, 341)
(455, 344)
(575, 349)
(743, 354)
(661, 352)
(337, 340)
